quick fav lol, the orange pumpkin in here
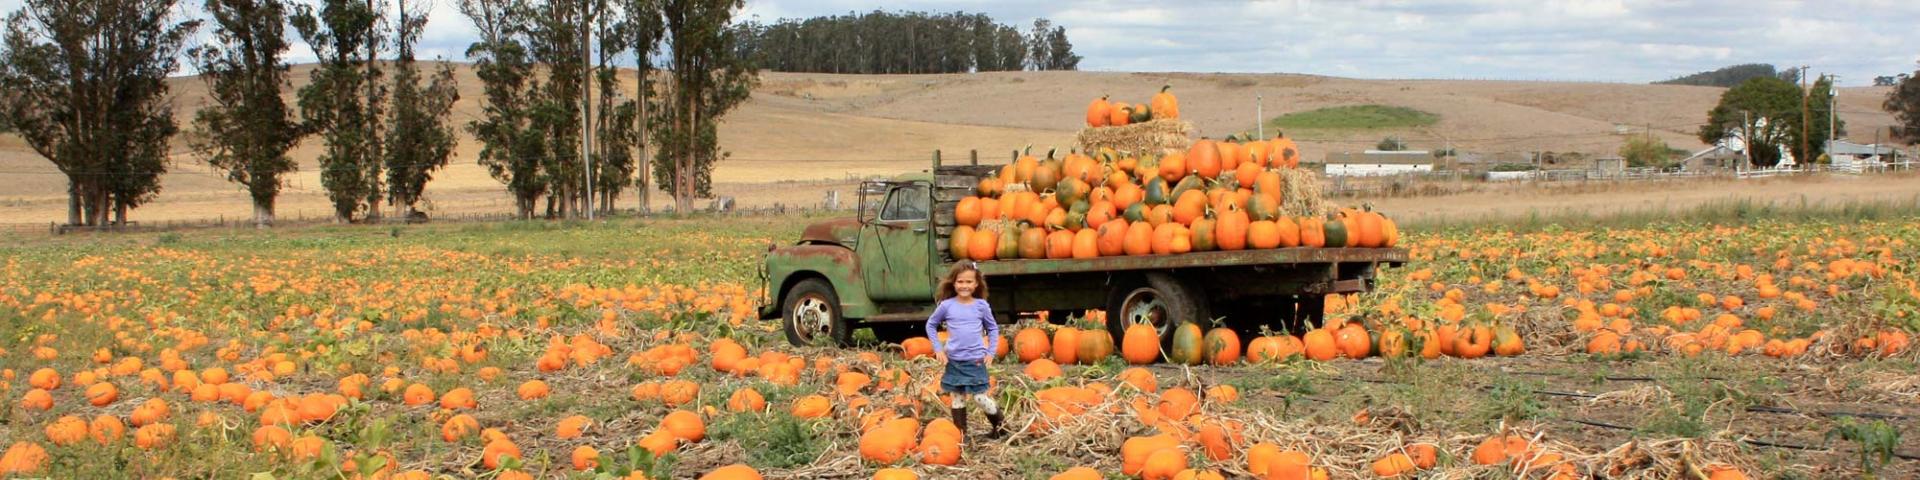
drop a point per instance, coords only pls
(1066, 345)
(1354, 341)
(1059, 244)
(1140, 345)
(1135, 450)
(1191, 205)
(1473, 342)
(959, 244)
(732, 472)
(1086, 243)
(1095, 345)
(1230, 229)
(983, 245)
(1164, 105)
(1231, 155)
(1164, 464)
(1043, 369)
(1098, 112)
(1223, 346)
(1263, 234)
(1312, 232)
(1204, 159)
(967, 212)
(1033, 243)
(1320, 345)
(1112, 238)
(1173, 167)
(1282, 152)
(1138, 239)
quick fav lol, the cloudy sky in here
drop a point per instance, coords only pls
(1575, 40)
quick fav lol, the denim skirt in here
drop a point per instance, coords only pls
(965, 377)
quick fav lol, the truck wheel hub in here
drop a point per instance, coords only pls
(811, 316)
(1144, 306)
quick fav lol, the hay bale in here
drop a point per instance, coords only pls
(1157, 137)
(1301, 193)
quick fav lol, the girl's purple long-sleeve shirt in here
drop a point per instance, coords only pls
(972, 333)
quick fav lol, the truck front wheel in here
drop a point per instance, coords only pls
(811, 313)
(1162, 302)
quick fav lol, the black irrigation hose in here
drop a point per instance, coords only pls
(1609, 426)
(1610, 379)
(1868, 415)
(1755, 409)
(1757, 443)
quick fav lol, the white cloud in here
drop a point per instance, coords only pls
(1601, 40)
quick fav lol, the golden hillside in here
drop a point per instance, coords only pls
(802, 127)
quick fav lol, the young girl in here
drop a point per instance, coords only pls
(972, 337)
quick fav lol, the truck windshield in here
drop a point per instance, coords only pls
(907, 202)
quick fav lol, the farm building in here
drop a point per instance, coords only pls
(1717, 157)
(1379, 162)
(1608, 167)
(1853, 156)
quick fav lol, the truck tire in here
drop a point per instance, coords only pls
(811, 314)
(1161, 301)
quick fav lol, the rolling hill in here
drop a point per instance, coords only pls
(826, 128)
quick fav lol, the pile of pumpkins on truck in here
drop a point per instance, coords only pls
(1214, 195)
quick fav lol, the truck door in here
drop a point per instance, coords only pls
(895, 247)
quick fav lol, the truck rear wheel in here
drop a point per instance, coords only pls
(1162, 301)
(811, 314)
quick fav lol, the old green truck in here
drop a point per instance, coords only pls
(879, 270)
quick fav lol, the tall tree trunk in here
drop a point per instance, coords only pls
(373, 130)
(119, 213)
(73, 202)
(262, 214)
(97, 207)
(640, 125)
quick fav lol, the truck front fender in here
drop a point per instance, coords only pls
(836, 264)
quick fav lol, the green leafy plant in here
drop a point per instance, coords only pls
(1876, 439)
(773, 440)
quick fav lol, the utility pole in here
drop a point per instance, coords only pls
(1833, 95)
(1806, 119)
(1746, 137)
(1260, 116)
(586, 96)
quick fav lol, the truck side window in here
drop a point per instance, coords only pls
(906, 203)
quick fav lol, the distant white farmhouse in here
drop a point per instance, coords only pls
(1379, 162)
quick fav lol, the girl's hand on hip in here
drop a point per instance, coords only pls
(941, 356)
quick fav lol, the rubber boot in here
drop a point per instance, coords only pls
(960, 420)
(999, 430)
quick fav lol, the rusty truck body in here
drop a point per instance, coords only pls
(880, 269)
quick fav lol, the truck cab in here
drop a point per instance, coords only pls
(877, 269)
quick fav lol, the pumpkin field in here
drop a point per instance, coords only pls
(1718, 346)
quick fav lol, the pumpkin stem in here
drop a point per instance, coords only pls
(1163, 88)
(1050, 151)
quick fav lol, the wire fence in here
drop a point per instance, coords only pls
(1412, 184)
(1434, 183)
